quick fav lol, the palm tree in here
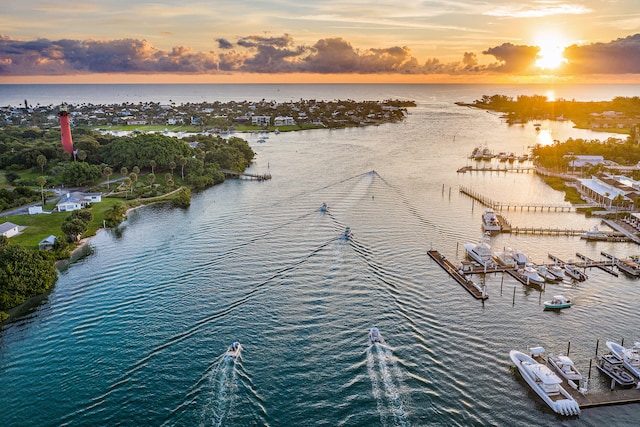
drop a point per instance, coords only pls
(127, 185)
(152, 178)
(124, 171)
(107, 171)
(42, 160)
(152, 163)
(41, 182)
(172, 166)
(136, 170)
(182, 161)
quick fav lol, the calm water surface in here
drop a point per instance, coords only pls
(135, 333)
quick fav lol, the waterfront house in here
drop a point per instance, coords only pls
(77, 200)
(9, 229)
(284, 121)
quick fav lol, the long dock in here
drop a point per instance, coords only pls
(469, 285)
(529, 207)
(602, 265)
(496, 169)
(234, 174)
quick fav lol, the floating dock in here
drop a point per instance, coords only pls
(469, 285)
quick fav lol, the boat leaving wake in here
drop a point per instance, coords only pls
(386, 382)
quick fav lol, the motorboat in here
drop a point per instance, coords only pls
(324, 207)
(574, 272)
(629, 266)
(556, 270)
(511, 157)
(545, 383)
(557, 302)
(487, 154)
(480, 252)
(347, 233)
(375, 337)
(613, 367)
(630, 356)
(547, 275)
(505, 257)
(520, 258)
(234, 350)
(565, 367)
(490, 221)
(530, 275)
(594, 234)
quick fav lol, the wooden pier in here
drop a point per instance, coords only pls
(548, 231)
(529, 207)
(232, 174)
(469, 285)
(516, 169)
(602, 265)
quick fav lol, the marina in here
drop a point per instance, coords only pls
(475, 290)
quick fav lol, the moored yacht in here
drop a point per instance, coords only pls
(490, 221)
(505, 257)
(630, 356)
(613, 367)
(480, 252)
(629, 266)
(530, 275)
(557, 271)
(546, 274)
(545, 383)
(574, 272)
(565, 367)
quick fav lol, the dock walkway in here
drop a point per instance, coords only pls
(469, 285)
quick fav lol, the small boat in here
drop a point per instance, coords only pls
(613, 367)
(594, 234)
(565, 367)
(324, 207)
(557, 302)
(503, 156)
(574, 272)
(557, 271)
(523, 158)
(545, 383)
(511, 157)
(630, 356)
(480, 252)
(487, 154)
(505, 257)
(530, 275)
(546, 274)
(490, 221)
(234, 350)
(520, 258)
(375, 337)
(347, 233)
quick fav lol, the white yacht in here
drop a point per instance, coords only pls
(565, 367)
(630, 356)
(520, 258)
(505, 257)
(530, 275)
(574, 272)
(557, 271)
(480, 252)
(545, 383)
(546, 274)
(490, 221)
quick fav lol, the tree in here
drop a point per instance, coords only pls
(182, 161)
(127, 185)
(42, 160)
(73, 228)
(82, 155)
(78, 173)
(136, 170)
(124, 171)
(172, 166)
(115, 215)
(152, 163)
(107, 171)
(41, 182)
(152, 178)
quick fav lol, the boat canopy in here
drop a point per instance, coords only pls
(536, 351)
(565, 360)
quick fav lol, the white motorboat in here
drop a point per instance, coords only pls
(505, 257)
(594, 234)
(324, 207)
(630, 356)
(574, 272)
(565, 367)
(557, 302)
(234, 350)
(545, 383)
(546, 274)
(520, 258)
(490, 221)
(557, 271)
(480, 252)
(375, 337)
(530, 275)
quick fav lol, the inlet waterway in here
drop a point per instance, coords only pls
(135, 333)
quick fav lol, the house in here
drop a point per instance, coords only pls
(9, 229)
(581, 160)
(75, 201)
(261, 120)
(284, 121)
(47, 243)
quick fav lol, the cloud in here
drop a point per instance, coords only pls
(540, 10)
(620, 56)
(259, 54)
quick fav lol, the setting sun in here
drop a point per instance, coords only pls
(551, 51)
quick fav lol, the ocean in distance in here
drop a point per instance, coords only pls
(135, 333)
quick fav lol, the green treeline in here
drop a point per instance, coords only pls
(524, 107)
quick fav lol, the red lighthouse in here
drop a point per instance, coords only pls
(65, 130)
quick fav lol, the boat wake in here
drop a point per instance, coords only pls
(221, 391)
(386, 382)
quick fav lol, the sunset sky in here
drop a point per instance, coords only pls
(317, 41)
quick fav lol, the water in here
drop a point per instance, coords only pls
(135, 333)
